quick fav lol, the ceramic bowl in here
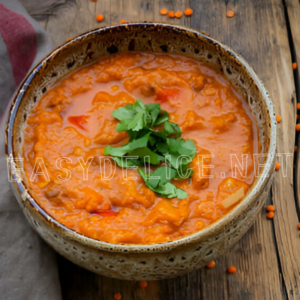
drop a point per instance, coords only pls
(158, 261)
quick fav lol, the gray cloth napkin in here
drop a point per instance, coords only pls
(28, 268)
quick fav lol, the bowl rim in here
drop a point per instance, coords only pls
(20, 187)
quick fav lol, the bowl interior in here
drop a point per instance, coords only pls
(162, 38)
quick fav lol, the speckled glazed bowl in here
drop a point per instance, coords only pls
(137, 262)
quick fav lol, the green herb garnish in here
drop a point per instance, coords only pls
(153, 145)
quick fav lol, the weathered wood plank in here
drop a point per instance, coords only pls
(78, 284)
(293, 13)
(258, 32)
(38, 8)
(131, 10)
(75, 17)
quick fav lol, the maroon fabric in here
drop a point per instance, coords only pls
(20, 39)
(28, 269)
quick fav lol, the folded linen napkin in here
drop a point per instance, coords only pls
(28, 268)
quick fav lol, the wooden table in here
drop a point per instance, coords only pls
(267, 34)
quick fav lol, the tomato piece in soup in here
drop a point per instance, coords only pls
(79, 121)
(167, 94)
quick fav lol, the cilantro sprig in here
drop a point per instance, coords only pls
(153, 140)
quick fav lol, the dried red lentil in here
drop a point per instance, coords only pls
(171, 14)
(100, 18)
(178, 14)
(231, 269)
(270, 208)
(230, 14)
(211, 264)
(143, 284)
(163, 11)
(188, 12)
(278, 119)
(117, 296)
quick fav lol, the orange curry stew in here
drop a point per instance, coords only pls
(73, 121)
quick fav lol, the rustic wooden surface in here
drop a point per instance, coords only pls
(267, 34)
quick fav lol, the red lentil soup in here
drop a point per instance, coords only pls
(73, 121)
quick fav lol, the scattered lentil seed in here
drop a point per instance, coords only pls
(171, 14)
(278, 119)
(270, 208)
(122, 21)
(298, 127)
(294, 65)
(230, 14)
(188, 12)
(211, 264)
(143, 284)
(277, 166)
(298, 105)
(270, 215)
(298, 225)
(178, 14)
(231, 270)
(296, 148)
(117, 296)
(163, 11)
(100, 18)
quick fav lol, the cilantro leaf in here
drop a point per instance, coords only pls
(153, 111)
(188, 148)
(126, 162)
(178, 152)
(132, 145)
(153, 144)
(136, 116)
(172, 128)
(163, 117)
(159, 183)
(132, 116)
(164, 174)
(146, 155)
(169, 190)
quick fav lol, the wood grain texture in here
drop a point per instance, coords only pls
(266, 258)
(77, 16)
(74, 17)
(130, 11)
(293, 15)
(39, 8)
(259, 33)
